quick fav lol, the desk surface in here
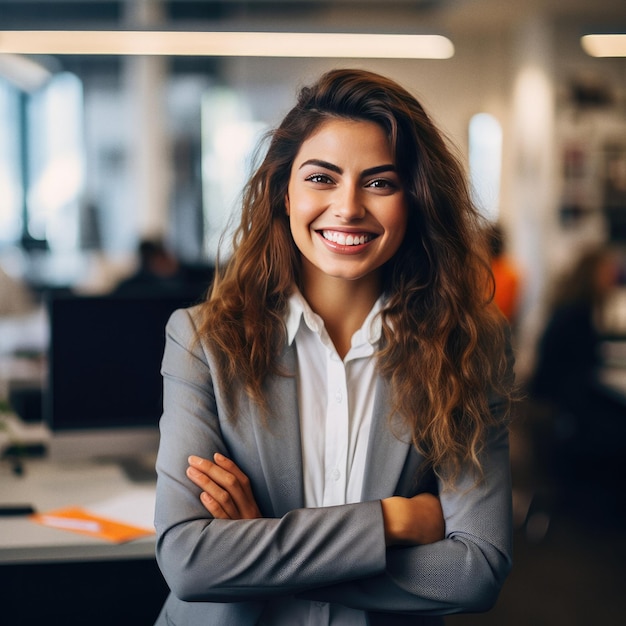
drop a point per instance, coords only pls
(50, 485)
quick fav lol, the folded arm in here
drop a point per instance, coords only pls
(462, 573)
(226, 494)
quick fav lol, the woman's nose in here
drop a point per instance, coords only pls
(349, 205)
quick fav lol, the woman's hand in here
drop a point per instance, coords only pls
(413, 521)
(226, 491)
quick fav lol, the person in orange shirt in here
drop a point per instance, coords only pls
(506, 276)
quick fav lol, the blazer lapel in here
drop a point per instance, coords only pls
(388, 447)
(280, 453)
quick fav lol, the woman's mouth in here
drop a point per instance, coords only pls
(347, 239)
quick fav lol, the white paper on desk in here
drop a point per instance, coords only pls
(135, 508)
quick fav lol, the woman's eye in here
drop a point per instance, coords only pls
(382, 183)
(319, 178)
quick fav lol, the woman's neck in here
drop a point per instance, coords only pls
(342, 304)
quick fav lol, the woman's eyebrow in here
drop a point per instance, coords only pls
(379, 169)
(370, 171)
(325, 164)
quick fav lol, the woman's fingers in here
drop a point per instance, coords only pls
(232, 468)
(227, 488)
(215, 498)
(213, 506)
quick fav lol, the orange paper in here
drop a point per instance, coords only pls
(79, 520)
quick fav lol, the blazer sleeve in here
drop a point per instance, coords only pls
(462, 573)
(206, 559)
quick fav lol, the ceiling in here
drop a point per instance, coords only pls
(24, 13)
(454, 18)
(453, 15)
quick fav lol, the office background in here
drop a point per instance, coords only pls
(100, 152)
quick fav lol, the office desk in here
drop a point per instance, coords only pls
(50, 575)
(47, 486)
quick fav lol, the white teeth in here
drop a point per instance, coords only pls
(345, 240)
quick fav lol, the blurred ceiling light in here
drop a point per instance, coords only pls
(26, 74)
(252, 44)
(604, 45)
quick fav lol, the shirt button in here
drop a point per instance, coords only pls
(336, 475)
(338, 396)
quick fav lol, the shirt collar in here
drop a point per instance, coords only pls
(299, 310)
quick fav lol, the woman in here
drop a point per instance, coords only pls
(334, 448)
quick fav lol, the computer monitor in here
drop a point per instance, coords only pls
(103, 395)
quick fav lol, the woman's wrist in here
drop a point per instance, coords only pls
(412, 521)
(392, 520)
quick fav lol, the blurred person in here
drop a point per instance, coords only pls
(334, 439)
(506, 275)
(569, 355)
(158, 271)
(582, 442)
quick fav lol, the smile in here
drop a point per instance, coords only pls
(346, 239)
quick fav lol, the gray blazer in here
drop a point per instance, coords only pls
(222, 572)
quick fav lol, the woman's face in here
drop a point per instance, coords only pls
(347, 208)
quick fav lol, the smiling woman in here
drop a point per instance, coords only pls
(347, 213)
(334, 441)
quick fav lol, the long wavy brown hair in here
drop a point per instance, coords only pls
(443, 343)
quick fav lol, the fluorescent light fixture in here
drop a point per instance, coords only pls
(247, 44)
(604, 45)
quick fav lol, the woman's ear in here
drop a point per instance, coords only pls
(287, 204)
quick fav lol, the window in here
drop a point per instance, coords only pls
(229, 135)
(11, 197)
(55, 149)
(485, 162)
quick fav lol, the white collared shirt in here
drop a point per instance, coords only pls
(336, 401)
(336, 404)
